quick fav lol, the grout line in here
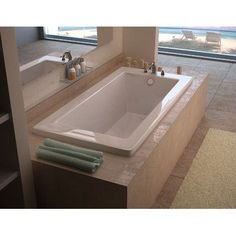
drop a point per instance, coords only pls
(176, 176)
(226, 74)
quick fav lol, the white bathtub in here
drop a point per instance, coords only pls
(118, 113)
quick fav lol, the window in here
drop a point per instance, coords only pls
(207, 42)
(82, 35)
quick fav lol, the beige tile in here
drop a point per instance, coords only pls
(220, 120)
(167, 195)
(233, 68)
(184, 163)
(213, 84)
(231, 76)
(184, 61)
(210, 96)
(217, 76)
(198, 136)
(227, 89)
(214, 65)
(163, 60)
(223, 103)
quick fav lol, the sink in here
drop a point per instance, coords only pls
(42, 78)
(42, 67)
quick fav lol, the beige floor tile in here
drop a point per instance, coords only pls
(184, 61)
(230, 77)
(233, 67)
(198, 136)
(222, 103)
(184, 163)
(227, 89)
(163, 60)
(210, 96)
(168, 192)
(220, 120)
(214, 65)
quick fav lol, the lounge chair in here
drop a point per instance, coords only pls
(213, 37)
(188, 34)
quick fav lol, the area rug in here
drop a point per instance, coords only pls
(211, 180)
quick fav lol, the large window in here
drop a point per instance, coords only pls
(208, 42)
(84, 35)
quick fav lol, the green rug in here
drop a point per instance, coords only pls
(211, 180)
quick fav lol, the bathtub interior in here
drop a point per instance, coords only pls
(119, 107)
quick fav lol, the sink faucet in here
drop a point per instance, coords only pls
(153, 68)
(66, 54)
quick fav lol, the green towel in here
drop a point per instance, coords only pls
(56, 144)
(68, 152)
(66, 160)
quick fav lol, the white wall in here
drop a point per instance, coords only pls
(25, 35)
(139, 42)
(104, 35)
(106, 52)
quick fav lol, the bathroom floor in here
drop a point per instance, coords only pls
(220, 113)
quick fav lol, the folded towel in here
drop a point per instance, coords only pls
(71, 153)
(56, 144)
(67, 160)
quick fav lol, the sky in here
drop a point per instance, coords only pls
(118, 13)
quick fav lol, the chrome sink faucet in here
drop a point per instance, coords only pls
(153, 68)
(65, 55)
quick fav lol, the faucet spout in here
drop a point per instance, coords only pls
(153, 68)
(65, 55)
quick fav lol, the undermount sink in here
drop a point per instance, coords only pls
(42, 67)
(42, 78)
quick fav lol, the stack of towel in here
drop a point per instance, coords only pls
(66, 154)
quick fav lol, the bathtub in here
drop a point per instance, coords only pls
(118, 113)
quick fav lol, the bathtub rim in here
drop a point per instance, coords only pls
(121, 146)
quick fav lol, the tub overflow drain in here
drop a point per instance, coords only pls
(150, 81)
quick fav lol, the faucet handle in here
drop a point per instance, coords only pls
(145, 67)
